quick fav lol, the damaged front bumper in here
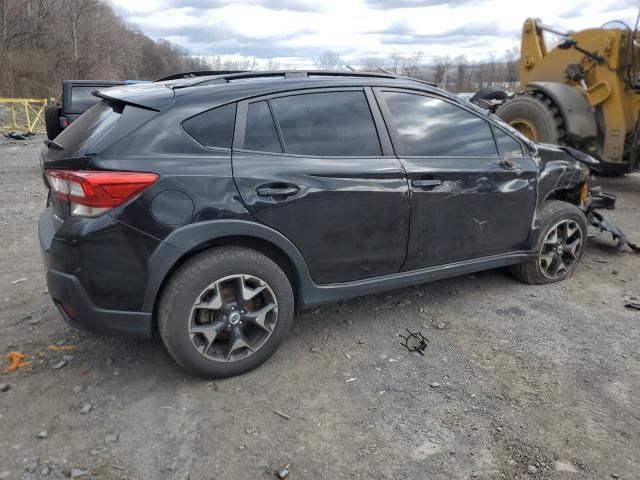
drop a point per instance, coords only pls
(598, 200)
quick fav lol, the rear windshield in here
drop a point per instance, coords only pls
(90, 127)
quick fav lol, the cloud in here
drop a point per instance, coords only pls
(468, 35)
(293, 5)
(394, 4)
(302, 29)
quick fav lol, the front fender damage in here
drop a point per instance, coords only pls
(566, 175)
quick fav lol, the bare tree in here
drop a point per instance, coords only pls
(328, 60)
(441, 67)
(463, 81)
(271, 64)
(371, 64)
(407, 65)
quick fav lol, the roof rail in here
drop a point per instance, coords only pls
(199, 73)
(214, 78)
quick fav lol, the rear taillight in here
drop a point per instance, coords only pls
(93, 193)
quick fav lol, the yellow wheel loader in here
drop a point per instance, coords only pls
(584, 93)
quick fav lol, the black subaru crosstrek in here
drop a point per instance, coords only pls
(215, 208)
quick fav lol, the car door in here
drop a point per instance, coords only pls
(313, 166)
(468, 199)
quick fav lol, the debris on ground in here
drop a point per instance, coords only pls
(415, 342)
(632, 305)
(19, 136)
(112, 438)
(62, 348)
(42, 435)
(282, 414)
(19, 280)
(597, 220)
(15, 360)
(5, 387)
(59, 365)
(564, 466)
(352, 379)
(77, 473)
(284, 473)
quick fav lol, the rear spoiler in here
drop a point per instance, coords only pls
(150, 96)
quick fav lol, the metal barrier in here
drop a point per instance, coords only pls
(27, 114)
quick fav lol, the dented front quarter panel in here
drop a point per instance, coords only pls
(561, 175)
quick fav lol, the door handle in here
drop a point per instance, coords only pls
(276, 191)
(430, 183)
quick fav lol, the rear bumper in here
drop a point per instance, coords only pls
(73, 301)
(78, 310)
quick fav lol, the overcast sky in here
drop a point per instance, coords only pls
(294, 31)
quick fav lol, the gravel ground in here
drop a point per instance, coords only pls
(517, 382)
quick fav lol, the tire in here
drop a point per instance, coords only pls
(489, 93)
(52, 122)
(552, 214)
(535, 116)
(211, 338)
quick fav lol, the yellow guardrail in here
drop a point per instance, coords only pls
(27, 114)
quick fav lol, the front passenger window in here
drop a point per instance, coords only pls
(430, 127)
(507, 145)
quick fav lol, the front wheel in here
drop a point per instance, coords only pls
(225, 311)
(560, 244)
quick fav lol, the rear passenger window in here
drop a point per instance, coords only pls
(432, 127)
(261, 134)
(327, 124)
(507, 145)
(213, 128)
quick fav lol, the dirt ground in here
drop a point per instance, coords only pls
(517, 382)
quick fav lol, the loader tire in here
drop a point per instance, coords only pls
(535, 116)
(489, 93)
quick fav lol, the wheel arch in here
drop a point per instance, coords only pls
(185, 242)
(578, 115)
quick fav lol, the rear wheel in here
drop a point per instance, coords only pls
(535, 116)
(560, 244)
(52, 122)
(225, 311)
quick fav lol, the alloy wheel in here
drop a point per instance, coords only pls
(560, 249)
(233, 318)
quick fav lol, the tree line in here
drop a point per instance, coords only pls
(43, 42)
(455, 74)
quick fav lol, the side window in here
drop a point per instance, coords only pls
(261, 134)
(432, 127)
(507, 145)
(213, 128)
(327, 124)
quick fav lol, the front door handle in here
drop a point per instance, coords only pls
(430, 183)
(272, 191)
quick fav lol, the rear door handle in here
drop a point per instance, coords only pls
(276, 191)
(434, 182)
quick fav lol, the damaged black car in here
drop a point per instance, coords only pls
(212, 209)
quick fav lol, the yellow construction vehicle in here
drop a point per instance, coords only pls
(584, 93)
